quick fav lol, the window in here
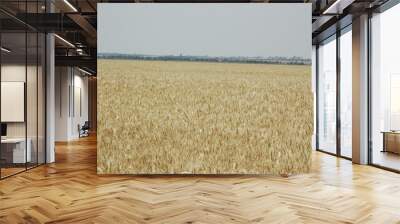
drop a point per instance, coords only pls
(327, 96)
(22, 88)
(346, 92)
(385, 89)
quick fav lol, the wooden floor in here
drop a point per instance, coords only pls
(387, 159)
(69, 191)
(5, 172)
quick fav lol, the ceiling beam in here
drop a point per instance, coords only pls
(77, 61)
(338, 6)
(84, 24)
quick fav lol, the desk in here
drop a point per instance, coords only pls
(13, 150)
(391, 141)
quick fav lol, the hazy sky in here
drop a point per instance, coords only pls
(205, 29)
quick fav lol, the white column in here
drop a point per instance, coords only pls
(50, 100)
(360, 90)
(63, 100)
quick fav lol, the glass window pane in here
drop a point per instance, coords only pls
(32, 95)
(346, 94)
(41, 98)
(31, 87)
(385, 92)
(14, 153)
(327, 96)
(22, 90)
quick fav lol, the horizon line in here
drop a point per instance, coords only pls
(208, 56)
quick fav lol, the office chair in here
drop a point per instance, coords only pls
(84, 130)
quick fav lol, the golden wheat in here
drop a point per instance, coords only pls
(159, 117)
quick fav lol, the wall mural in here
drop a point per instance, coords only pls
(204, 89)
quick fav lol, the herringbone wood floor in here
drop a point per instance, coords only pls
(69, 191)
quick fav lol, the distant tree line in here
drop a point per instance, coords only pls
(256, 60)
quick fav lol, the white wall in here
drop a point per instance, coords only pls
(70, 81)
(33, 126)
(81, 84)
(62, 82)
(12, 73)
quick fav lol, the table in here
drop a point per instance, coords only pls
(13, 150)
(391, 141)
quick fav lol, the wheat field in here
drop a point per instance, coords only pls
(165, 117)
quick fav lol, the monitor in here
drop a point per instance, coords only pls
(3, 129)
